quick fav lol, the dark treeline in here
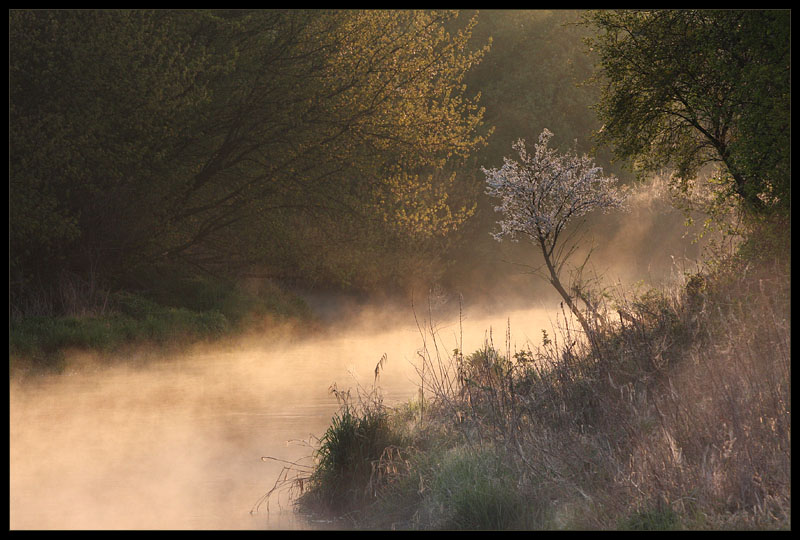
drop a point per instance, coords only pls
(343, 148)
(306, 146)
(688, 88)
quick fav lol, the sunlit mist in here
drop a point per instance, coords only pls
(178, 443)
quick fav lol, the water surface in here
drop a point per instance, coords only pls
(178, 443)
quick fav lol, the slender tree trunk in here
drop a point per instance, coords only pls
(567, 298)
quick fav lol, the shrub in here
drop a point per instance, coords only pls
(344, 477)
(658, 518)
(474, 490)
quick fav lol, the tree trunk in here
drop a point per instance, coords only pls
(567, 298)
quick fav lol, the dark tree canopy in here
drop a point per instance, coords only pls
(233, 141)
(344, 147)
(685, 88)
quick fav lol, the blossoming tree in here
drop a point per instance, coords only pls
(543, 192)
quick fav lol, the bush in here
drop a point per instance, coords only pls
(344, 478)
(658, 518)
(474, 490)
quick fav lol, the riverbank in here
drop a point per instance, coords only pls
(205, 313)
(676, 416)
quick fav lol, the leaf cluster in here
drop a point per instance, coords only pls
(687, 89)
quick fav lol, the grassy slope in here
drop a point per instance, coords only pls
(678, 418)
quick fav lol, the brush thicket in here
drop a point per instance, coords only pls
(673, 414)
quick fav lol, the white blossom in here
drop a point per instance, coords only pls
(543, 191)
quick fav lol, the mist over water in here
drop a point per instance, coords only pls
(177, 443)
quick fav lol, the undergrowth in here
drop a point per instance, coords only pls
(348, 460)
(676, 416)
(173, 315)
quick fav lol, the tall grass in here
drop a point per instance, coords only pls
(677, 416)
(349, 458)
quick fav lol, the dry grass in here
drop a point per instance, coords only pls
(677, 416)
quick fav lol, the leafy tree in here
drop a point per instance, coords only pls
(95, 100)
(687, 88)
(541, 194)
(233, 141)
(347, 118)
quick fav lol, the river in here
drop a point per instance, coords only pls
(178, 443)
